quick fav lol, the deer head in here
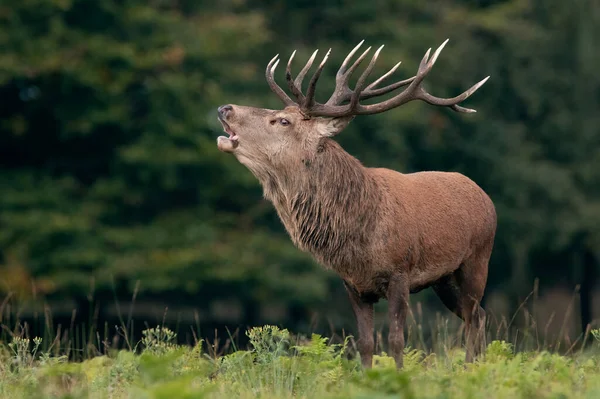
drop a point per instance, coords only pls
(265, 140)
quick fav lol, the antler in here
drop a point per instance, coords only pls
(342, 93)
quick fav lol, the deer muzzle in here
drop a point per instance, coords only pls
(230, 143)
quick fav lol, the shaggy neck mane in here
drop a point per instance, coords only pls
(327, 203)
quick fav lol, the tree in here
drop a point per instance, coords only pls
(110, 173)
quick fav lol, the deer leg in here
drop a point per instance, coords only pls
(475, 332)
(398, 292)
(461, 292)
(472, 286)
(363, 311)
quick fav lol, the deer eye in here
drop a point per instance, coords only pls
(284, 121)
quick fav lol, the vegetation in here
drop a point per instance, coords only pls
(278, 365)
(111, 186)
(118, 212)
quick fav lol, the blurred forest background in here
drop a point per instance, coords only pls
(116, 204)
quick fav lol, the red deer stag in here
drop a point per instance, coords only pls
(385, 233)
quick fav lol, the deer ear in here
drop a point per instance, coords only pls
(329, 127)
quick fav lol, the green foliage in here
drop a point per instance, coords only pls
(274, 367)
(498, 351)
(279, 365)
(110, 174)
(22, 352)
(158, 340)
(268, 342)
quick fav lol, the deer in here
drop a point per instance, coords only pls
(386, 234)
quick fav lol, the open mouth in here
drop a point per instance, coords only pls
(228, 130)
(227, 144)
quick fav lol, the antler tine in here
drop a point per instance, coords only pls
(426, 65)
(362, 79)
(423, 62)
(270, 75)
(342, 92)
(452, 102)
(300, 77)
(356, 64)
(416, 92)
(383, 77)
(296, 91)
(342, 69)
(437, 53)
(370, 93)
(310, 92)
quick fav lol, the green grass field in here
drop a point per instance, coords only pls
(278, 365)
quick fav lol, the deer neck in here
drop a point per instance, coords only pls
(326, 203)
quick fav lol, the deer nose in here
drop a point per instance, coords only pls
(224, 110)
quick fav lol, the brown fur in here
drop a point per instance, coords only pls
(386, 234)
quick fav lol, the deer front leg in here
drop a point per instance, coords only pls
(363, 311)
(398, 292)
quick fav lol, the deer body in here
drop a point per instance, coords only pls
(367, 224)
(386, 234)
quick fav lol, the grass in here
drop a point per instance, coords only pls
(523, 360)
(280, 365)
